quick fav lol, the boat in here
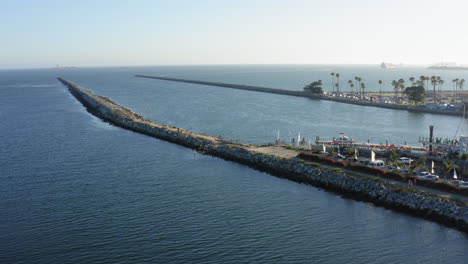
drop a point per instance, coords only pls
(342, 139)
(447, 66)
(386, 65)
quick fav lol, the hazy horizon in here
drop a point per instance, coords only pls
(338, 32)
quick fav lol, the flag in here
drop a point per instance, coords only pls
(298, 138)
(310, 146)
(372, 155)
(324, 149)
(455, 174)
(355, 154)
(432, 167)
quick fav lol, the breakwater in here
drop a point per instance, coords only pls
(372, 189)
(412, 108)
(234, 86)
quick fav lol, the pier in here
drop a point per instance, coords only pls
(411, 108)
(284, 163)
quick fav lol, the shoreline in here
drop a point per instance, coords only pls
(452, 213)
(411, 108)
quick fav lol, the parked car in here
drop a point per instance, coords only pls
(363, 162)
(404, 171)
(392, 168)
(422, 174)
(379, 164)
(405, 160)
(459, 183)
(431, 177)
(463, 185)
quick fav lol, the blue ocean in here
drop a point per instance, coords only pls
(75, 189)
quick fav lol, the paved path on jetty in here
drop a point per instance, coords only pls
(413, 108)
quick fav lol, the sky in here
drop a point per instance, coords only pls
(43, 33)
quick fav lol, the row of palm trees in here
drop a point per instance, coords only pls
(399, 85)
(336, 84)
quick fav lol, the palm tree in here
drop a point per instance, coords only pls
(460, 84)
(394, 156)
(422, 78)
(402, 88)
(349, 84)
(337, 82)
(419, 164)
(352, 86)
(396, 87)
(412, 80)
(456, 82)
(441, 83)
(358, 79)
(448, 167)
(455, 86)
(434, 83)
(363, 86)
(380, 84)
(333, 81)
(427, 81)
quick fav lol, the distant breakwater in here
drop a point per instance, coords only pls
(412, 108)
(372, 189)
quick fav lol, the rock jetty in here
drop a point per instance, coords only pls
(411, 108)
(372, 189)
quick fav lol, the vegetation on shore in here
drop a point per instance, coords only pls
(415, 92)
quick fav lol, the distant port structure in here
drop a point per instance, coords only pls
(448, 66)
(357, 99)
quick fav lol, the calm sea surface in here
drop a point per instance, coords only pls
(77, 190)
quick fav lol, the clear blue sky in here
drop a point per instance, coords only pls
(43, 33)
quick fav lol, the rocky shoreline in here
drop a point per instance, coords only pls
(372, 189)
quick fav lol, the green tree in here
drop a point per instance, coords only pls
(419, 164)
(421, 79)
(333, 81)
(411, 79)
(401, 86)
(363, 87)
(462, 81)
(396, 88)
(448, 167)
(434, 83)
(394, 155)
(441, 84)
(314, 87)
(337, 82)
(415, 93)
(350, 153)
(380, 93)
(358, 79)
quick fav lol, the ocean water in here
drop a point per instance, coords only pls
(78, 190)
